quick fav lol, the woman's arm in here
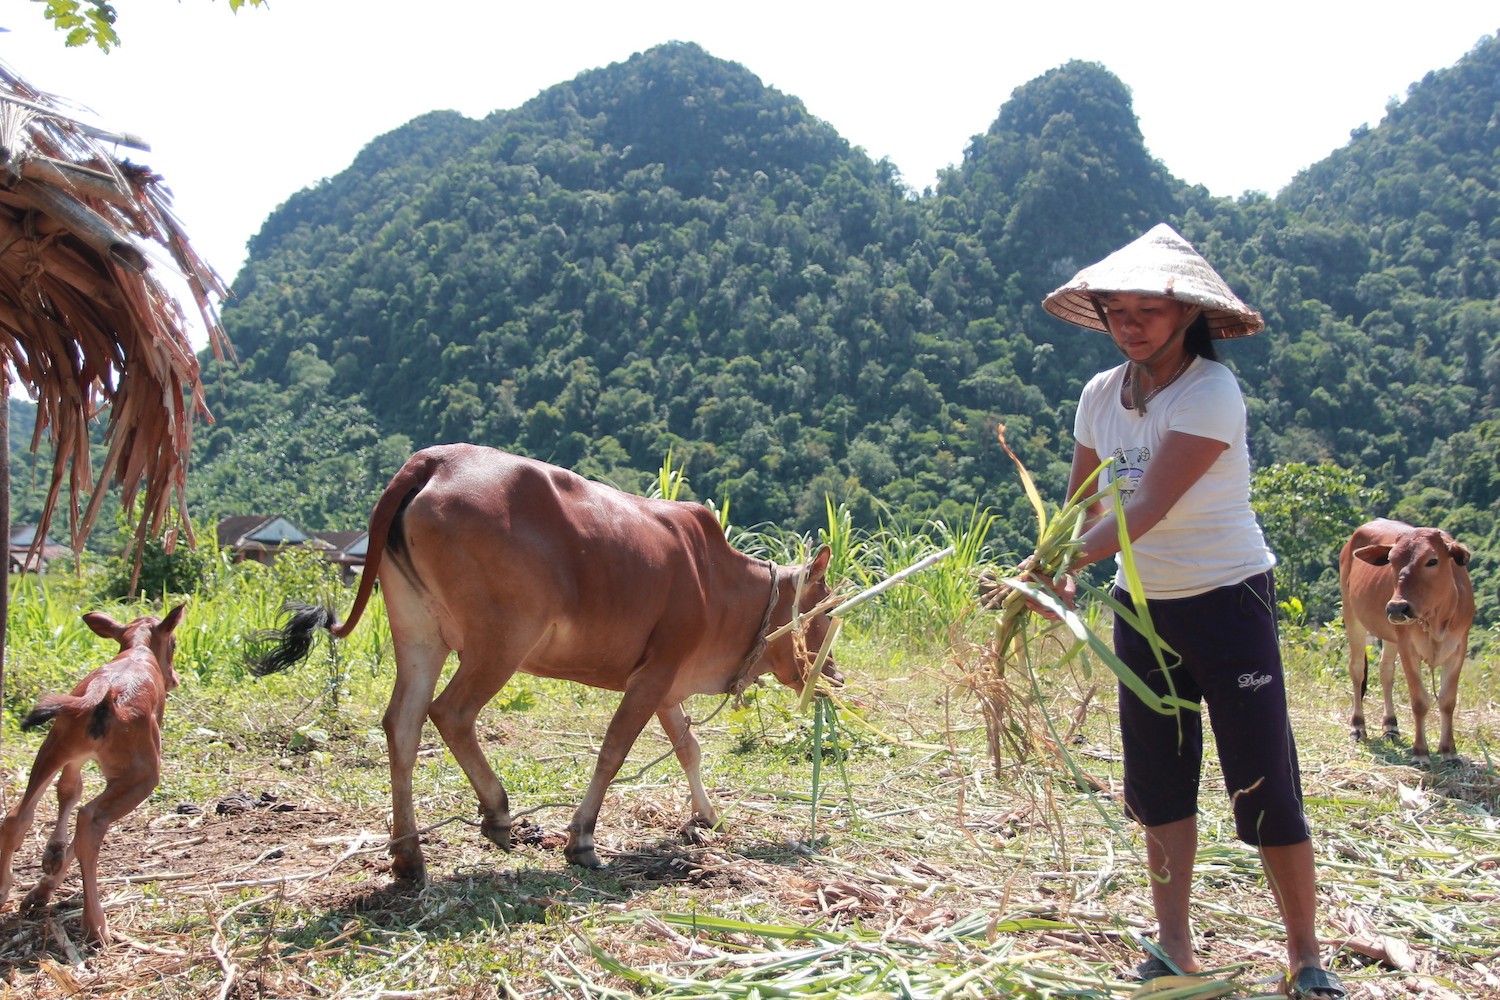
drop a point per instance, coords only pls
(1180, 462)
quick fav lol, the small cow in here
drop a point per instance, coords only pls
(114, 717)
(1409, 587)
(519, 565)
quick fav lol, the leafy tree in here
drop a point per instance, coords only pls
(664, 254)
(1307, 512)
(93, 21)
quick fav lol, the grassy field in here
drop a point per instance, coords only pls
(884, 852)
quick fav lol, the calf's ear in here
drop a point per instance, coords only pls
(103, 625)
(173, 618)
(1375, 555)
(1459, 551)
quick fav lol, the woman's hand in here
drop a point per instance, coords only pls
(1064, 585)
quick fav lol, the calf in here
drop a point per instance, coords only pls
(1409, 587)
(517, 565)
(114, 717)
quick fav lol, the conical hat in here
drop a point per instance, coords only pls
(1159, 263)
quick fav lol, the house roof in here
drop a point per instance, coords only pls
(23, 535)
(349, 543)
(263, 531)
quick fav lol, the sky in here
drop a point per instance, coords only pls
(243, 109)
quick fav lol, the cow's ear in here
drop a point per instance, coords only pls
(1459, 551)
(819, 565)
(1375, 555)
(103, 625)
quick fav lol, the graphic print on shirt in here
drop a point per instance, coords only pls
(1128, 466)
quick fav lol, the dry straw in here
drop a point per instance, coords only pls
(85, 325)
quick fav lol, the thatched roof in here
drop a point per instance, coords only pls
(85, 325)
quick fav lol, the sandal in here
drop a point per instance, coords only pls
(1312, 983)
(1152, 968)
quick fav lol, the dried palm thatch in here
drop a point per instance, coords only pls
(85, 326)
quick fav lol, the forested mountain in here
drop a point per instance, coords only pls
(664, 254)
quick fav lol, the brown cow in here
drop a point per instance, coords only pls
(519, 565)
(114, 717)
(1410, 588)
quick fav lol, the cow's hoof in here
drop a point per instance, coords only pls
(1359, 734)
(497, 833)
(583, 857)
(1422, 759)
(409, 871)
(52, 858)
(36, 900)
(698, 831)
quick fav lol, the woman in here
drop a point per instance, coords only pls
(1171, 421)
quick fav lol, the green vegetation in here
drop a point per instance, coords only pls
(1307, 512)
(665, 258)
(664, 255)
(920, 861)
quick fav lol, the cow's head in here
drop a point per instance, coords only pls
(1423, 563)
(789, 656)
(155, 634)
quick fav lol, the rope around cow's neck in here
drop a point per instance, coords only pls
(742, 678)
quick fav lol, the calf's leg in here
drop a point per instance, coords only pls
(1421, 703)
(416, 677)
(1447, 704)
(1388, 649)
(57, 856)
(122, 793)
(18, 823)
(1359, 671)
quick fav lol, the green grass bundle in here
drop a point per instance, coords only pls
(1021, 634)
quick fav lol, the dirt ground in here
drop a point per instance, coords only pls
(251, 895)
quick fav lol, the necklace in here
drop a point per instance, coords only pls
(1140, 404)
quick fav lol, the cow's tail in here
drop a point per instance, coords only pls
(95, 704)
(293, 640)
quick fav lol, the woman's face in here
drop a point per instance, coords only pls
(1141, 324)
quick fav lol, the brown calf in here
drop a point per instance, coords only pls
(521, 566)
(1408, 587)
(114, 717)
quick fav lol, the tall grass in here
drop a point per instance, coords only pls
(968, 881)
(932, 603)
(49, 647)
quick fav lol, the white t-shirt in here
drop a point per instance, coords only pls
(1210, 537)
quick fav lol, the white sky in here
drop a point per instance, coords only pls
(242, 110)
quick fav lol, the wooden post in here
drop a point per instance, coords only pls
(5, 523)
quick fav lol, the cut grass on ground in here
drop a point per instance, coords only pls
(927, 870)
